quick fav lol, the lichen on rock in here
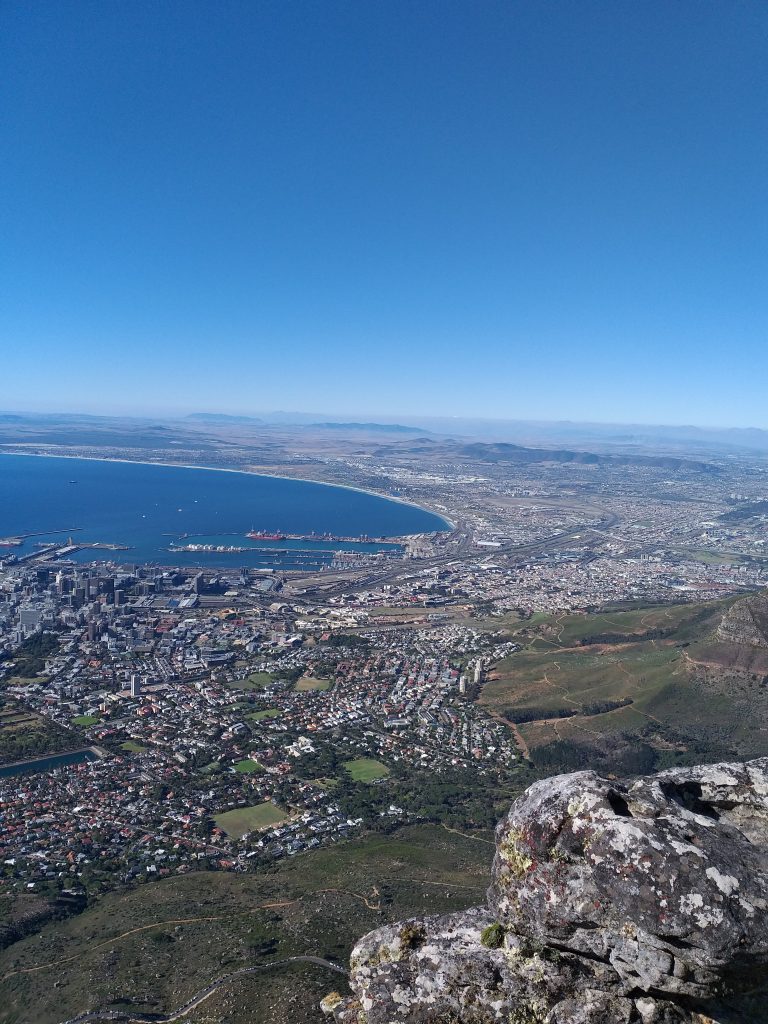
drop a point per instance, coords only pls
(641, 901)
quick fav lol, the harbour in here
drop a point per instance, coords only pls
(139, 513)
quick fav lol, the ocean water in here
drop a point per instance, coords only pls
(150, 508)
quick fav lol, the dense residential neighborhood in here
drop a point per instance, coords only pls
(185, 713)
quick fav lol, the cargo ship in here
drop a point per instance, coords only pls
(225, 548)
(264, 535)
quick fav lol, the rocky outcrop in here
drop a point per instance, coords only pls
(746, 622)
(642, 902)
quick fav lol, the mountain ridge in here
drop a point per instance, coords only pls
(503, 452)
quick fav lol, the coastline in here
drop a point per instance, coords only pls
(245, 472)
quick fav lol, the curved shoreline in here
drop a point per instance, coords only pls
(245, 472)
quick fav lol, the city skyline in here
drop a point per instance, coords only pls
(506, 212)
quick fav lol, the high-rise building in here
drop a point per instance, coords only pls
(30, 618)
(63, 583)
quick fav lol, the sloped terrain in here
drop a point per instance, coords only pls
(149, 949)
(634, 691)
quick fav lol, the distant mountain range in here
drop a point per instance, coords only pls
(563, 435)
(501, 452)
(221, 417)
(384, 428)
(557, 433)
(618, 435)
(224, 418)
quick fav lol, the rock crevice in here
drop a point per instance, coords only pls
(641, 901)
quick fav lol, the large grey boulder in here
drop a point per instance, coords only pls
(666, 879)
(641, 902)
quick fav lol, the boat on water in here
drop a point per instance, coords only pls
(264, 535)
(219, 548)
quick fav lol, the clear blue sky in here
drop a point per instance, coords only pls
(516, 209)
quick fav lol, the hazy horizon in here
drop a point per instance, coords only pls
(302, 417)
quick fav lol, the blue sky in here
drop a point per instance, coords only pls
(517, 209)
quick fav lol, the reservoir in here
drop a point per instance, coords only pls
(150, 508)
(46, 764)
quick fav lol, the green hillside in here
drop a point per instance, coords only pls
(153, 947)
(632, 690)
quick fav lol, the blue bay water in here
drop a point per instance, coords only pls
(151, 507)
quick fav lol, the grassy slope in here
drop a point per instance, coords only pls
(419, 869)
(661, 675)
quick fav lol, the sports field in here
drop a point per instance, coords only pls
(255, 681)
(307, 683)
(85, 720)
(250, 819)
(365, 769)
(248, 766)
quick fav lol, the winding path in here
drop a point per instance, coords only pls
(478, 839)
(188, 920)
(202, 995)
